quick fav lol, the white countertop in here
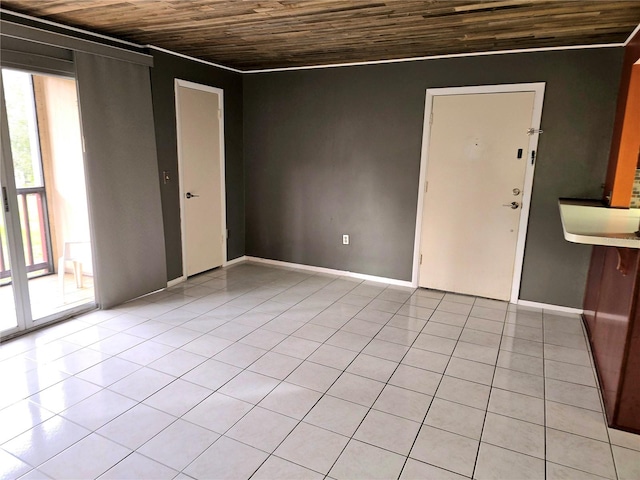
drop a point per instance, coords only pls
(590, 222)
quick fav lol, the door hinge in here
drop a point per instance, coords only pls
(533, 156)
(426, 187)
(220, 113)
(431, 118)
(420, 259)
(5, 199)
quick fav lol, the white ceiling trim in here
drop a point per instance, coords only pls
(635, 30)
(437, 57)
(164, 50)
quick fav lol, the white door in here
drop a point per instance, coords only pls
(200, 153)
(477, 158)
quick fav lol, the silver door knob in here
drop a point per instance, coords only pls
(513, 205)
(191, 195)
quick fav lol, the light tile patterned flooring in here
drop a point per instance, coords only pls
(269, 373)
(46, 297)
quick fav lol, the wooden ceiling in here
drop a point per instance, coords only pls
(248, 34)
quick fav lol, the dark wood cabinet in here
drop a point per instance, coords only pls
(611, 304)
(612, 317)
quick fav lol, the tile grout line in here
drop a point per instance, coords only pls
(245, 368)
(194, 406)
(600, 395)
(327, 390)
(258, 286)
(386, 383)
(280, 382)
(345, 371)
(91, 431)
(269, 454)
(433, 397)
(486, 412)
(544, 393)
(547, 428)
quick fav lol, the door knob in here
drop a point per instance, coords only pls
(513, 205)
(191, 195)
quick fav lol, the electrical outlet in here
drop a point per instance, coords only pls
(345, 239)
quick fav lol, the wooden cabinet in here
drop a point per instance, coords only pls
(612, 316)
(612, 297)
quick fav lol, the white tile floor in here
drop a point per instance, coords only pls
(46, 297)
(268, 373)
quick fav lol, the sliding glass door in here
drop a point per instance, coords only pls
(9, 300)
(46, 267)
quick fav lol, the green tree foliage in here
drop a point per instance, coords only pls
(17, 86)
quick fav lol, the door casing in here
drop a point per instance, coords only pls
(538, 89)
(181, 167)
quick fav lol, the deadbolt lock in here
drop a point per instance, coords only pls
(516, 191)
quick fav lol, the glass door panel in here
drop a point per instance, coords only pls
(12, 278)
(27, 168)
(8, 315)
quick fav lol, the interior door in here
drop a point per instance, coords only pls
(200, 153)
(477, 157)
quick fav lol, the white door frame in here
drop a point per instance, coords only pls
(223, 216)
(538, 89)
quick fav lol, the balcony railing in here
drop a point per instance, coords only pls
(36, 236)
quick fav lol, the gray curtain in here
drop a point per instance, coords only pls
(121, 169)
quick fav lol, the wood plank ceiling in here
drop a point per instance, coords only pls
(248, 34)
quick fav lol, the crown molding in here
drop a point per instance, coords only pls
(631, 35)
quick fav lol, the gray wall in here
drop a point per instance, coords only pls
(166, 68)
(337, 151)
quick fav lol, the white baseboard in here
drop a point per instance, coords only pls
(552, 308)
(176, 281)
(331, 271)
(235, 260)
(179, 280)
(391, 281)
(183, 278)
